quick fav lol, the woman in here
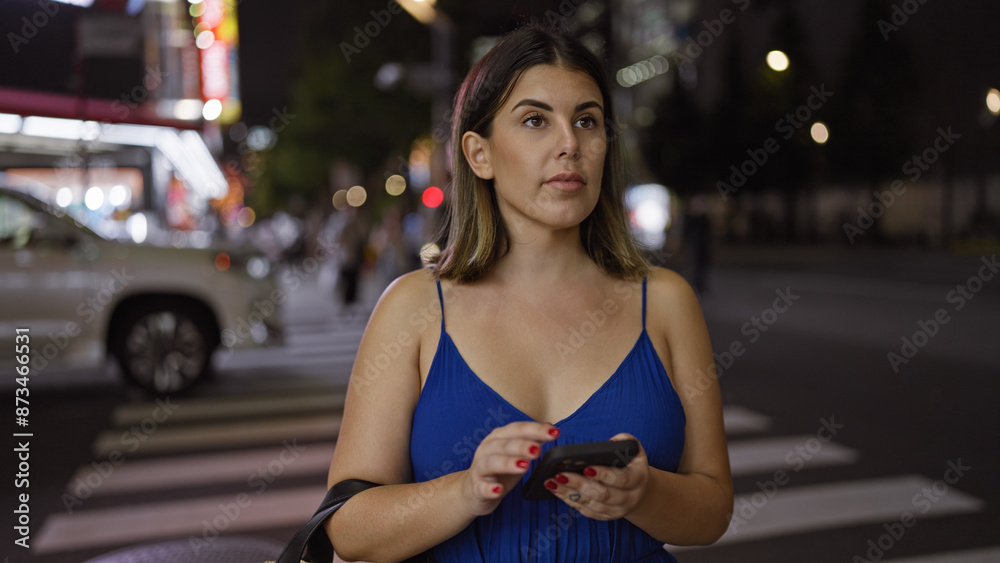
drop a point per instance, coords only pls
(514, 342)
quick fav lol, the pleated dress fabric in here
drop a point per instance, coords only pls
(456, 410)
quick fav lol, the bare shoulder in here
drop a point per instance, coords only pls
(672, 303)
(391, 342)
(413, 289)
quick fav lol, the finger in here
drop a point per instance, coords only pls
(618, 477)
(537, 431)
(578, 500)
(490, 489)
(590, 490)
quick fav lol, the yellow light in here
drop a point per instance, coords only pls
(819, 132)
(395, 184)
(422, 10)
(340, 199)
(777, 60)
(993, 101)
(356, 196)
(246, 217)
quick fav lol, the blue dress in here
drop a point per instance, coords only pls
(456, 410)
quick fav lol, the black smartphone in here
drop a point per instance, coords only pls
(575, 458)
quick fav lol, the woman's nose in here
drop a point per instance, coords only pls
(569, 145)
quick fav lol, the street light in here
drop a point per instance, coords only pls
(993, 101)
(422, 10)
(441, 30)
(777, 60)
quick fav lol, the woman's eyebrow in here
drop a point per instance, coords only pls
(544, 106)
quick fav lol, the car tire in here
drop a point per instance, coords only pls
(164, 345)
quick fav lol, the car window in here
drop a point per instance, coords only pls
(17, 221)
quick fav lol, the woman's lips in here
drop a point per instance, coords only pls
(566, 182)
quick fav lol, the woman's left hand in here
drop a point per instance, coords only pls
(605, 493)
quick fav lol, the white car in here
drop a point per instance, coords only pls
(160, 312)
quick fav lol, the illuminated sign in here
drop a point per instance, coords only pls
(217, 38)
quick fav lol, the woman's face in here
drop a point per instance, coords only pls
(546, 151)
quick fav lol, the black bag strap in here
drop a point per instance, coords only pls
(312, 534)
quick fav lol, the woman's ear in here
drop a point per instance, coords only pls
(476, 151)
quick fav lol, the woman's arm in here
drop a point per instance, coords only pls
(693, 505)
(374, 439)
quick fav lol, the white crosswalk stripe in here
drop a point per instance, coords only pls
(254, 457)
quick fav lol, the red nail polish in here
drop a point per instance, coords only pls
(561, 478)
(497, 489)
(522, 463)
(551, 486)
(590, 472)
(533, 450)
(554, 432)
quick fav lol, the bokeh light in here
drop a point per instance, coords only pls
(94, 198)
(212, 110)
(118, 196)
(222, 261)
(777, 60)
(246, 217)
(340, 199)
(356, 196)
(432, 197)
(395, 184)
(820, 133)
(993, 101)
(64, 197)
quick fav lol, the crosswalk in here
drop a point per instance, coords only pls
(251, 457)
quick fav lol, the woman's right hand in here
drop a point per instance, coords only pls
(500, 461)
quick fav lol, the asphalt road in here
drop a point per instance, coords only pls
(840, 451)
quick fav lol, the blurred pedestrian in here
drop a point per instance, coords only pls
(696, 241)
(538, 281)
(353, 238)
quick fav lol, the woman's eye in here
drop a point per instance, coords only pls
(533, 121)
(587, 122)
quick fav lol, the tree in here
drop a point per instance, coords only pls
(339, 113)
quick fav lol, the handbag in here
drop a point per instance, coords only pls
(311, 541)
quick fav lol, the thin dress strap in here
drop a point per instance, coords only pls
(441, 298)
(643, 304)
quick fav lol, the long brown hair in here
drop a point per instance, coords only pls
(473, 236)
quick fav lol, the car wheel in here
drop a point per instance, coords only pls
(164, 347)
